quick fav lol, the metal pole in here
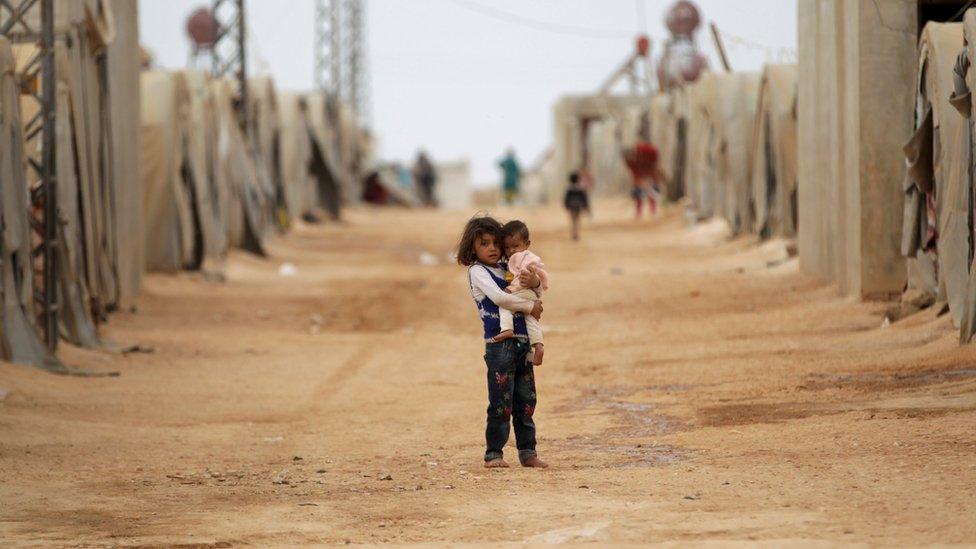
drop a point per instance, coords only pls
(48, 176)
(723, 57)
(242, 71)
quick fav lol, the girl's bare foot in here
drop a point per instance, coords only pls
(538, 355)
(497, 463)
(535, 462)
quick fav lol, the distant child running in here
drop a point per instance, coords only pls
(576, 201)
(520, 260)
(511, 379)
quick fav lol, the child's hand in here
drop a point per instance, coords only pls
(537, 310)
(528, 279)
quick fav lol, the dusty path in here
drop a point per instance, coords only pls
(695, 390)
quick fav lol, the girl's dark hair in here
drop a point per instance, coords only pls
(574, 177)
(476, 227)
(516, 228)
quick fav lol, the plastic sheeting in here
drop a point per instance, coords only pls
(774, 153)
(296, 145)
(667, 134)
(935, 229)
(701, 182)
(964, 84)
(332, 183)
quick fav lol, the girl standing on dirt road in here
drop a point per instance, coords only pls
(511, 378)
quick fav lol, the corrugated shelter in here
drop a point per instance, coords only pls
(935, 233)
(774, 154)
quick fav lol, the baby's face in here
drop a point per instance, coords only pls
(515, 244)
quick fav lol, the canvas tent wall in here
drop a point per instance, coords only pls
(178, 159)
(935, 233)
(298, 185)
(331, 178)
(19, 339)
(247, 207)
(124, 59)
(265, 140)
(964, 83)
(99, 244)
(774, 153)
(731, 112)
(701, 182)
(854, 58)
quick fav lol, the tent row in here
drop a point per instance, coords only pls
(153, 171)
(937, 229)
(728, 143)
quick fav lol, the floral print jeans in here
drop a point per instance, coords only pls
(511, 397)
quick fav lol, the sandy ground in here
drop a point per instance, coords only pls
(696, 389)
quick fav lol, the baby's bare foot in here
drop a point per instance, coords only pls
(535, 462)
(540, 351)
(502, 336)
(497, 463)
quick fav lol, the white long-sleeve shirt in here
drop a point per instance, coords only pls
(483, 286)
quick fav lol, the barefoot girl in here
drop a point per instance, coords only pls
(511, 380)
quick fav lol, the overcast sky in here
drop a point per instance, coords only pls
(468, 78)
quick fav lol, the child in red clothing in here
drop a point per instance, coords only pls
(642, 163)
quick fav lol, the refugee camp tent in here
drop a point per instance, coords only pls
(774, 153)
(178, 159)
(701, 177)
(298, 186)
(962, 202)
(247, 208)
(208, 184)
(327, 168)
(123, 61)
(19, 339)
(265, 127)
(92, 241)
(936, 230)
(168, 204)
(731, 114)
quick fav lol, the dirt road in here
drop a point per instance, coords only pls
(695, 389)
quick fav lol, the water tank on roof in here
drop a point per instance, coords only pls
(683, 18)
(201, 27)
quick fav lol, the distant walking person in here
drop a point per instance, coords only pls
(426, 177)
(642, 162)
(511, 176)
(576, 202)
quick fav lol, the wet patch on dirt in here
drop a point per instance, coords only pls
(631, 420)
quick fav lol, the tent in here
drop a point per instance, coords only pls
(246, 201)
(701, 177)
(178, 157)
(88, 193)
(265, 139)
(935, 234)
(774, 153)
(332, 183)
(731, 114)
(298, 185)
(19, 340)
